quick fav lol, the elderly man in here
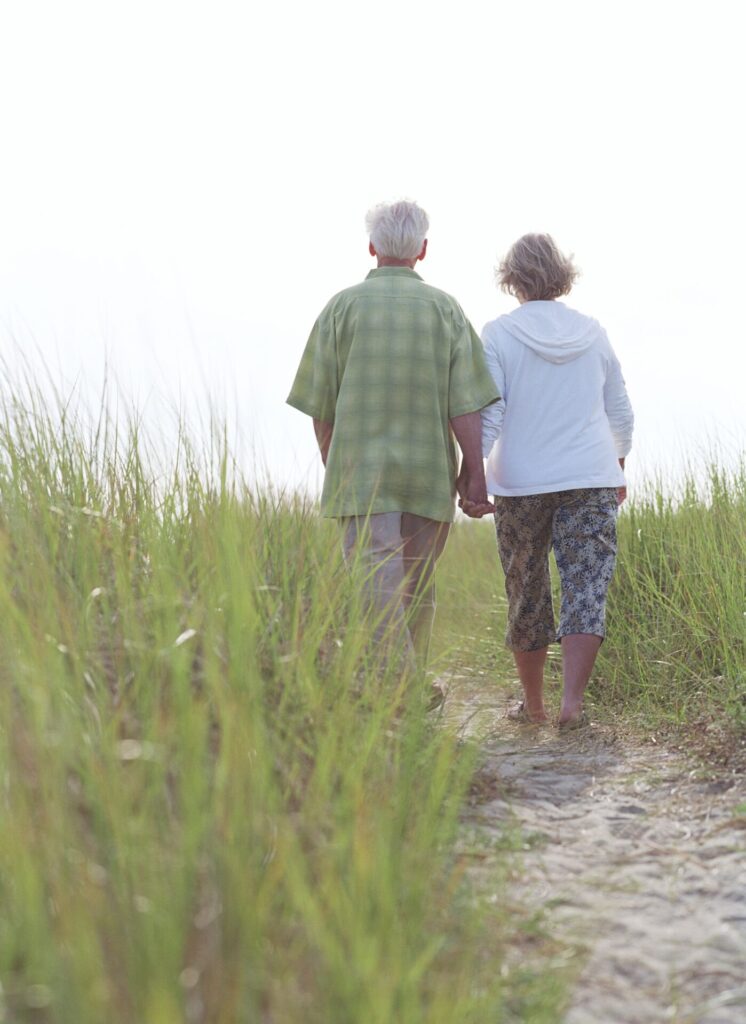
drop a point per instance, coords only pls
(392, 370)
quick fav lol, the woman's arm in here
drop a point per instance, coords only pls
(618, 407)
(619, 413)
(492, 415)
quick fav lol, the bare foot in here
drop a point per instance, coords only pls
(573, 718)
(520, 713)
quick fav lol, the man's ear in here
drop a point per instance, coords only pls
(372, 250)
(423, 252)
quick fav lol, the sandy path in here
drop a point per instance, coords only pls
(635, 857)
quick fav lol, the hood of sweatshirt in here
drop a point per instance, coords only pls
(552, 330)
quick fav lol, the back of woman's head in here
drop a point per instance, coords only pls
(534, 268)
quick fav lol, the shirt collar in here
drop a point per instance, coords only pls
(390, 271)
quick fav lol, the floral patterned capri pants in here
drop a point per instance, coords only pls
(580, 526)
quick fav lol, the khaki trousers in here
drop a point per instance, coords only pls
(397, 552)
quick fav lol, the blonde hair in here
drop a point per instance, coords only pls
(534, 268)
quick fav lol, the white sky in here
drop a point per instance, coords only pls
(183, 186)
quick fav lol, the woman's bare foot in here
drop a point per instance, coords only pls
(520, 713)
(576, 720)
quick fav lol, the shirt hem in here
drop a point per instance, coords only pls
(573, 485)
(348, 512)
(309, 410)
(472, 408)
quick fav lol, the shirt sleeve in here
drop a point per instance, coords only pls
(618, 406)
(316, 383)
(470, 386)
(492, 415)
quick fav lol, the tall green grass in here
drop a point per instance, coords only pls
(676, 620)
(677, 610)
(216, 804)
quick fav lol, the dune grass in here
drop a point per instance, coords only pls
(216, 804)
(676, 643)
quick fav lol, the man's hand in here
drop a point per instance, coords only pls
(476, 509)
(470, 482)
(473, 500)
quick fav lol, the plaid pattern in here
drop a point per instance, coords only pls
(389, 362)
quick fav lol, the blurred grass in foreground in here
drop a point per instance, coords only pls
(676, 621)
(211, 810)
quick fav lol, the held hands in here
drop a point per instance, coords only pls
(476, 509)
(472, 491)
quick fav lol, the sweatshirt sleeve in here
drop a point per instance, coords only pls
(492, 415)
(618, 407)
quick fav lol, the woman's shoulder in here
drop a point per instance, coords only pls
(498, 327)
(570, 321)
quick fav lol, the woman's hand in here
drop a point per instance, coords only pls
(473, 500)
(476, 509)
(621, 492)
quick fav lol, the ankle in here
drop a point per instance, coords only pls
(570, 709)
(535, 709)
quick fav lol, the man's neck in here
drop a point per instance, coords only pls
(390, 261)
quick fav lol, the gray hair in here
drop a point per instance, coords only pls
(534, 268)
(397, 229)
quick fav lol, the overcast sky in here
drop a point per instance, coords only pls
(183, 186)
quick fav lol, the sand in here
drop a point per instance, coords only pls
(634, 857)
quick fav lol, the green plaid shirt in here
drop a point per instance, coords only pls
(389, 362)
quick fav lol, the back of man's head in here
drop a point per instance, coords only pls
(397, 230)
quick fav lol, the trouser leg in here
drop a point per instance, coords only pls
(375, 543)
(584, 533)
(524, 537)
(584, 541)
(424, 541)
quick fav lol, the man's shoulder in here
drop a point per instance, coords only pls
(412, 286)
(441, 297)
(373, 293)
(344, 295)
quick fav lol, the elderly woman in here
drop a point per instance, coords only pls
(555, 447)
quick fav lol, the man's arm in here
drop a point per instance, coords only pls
(471, 483)
(323, 431)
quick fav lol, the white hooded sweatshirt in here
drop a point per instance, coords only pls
(564, 418)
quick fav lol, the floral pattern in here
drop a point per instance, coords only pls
(580, 526)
